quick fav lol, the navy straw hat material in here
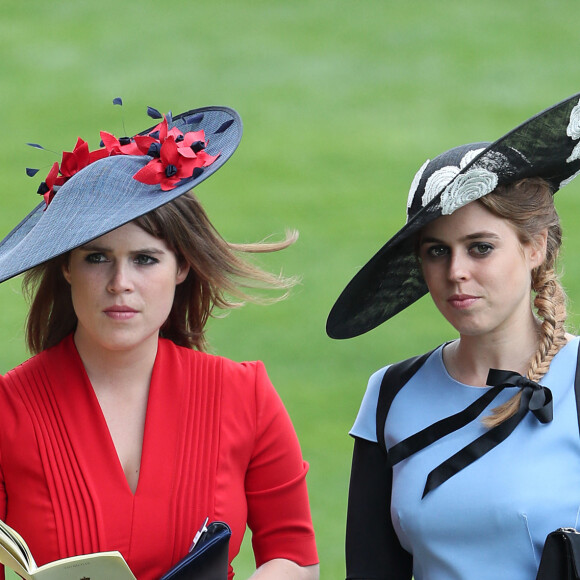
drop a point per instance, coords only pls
(105, 194)
(546, 145)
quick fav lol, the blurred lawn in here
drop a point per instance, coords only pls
(341, 102)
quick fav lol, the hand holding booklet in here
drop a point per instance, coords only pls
(15, 554)
(206, 560)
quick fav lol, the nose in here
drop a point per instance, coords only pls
(458, 267)
(120, 279)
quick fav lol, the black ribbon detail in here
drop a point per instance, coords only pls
(154, 150)
(538, 398)
(535, 398)
(170, 170)
(197, 146)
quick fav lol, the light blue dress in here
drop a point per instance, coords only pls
(490, 520)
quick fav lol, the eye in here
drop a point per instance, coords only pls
(436, 251)
(95, 258)
(145, 260)
(481, 249)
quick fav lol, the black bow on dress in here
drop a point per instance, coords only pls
(535, 398)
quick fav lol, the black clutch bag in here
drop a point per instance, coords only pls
(207, 559)
(560, 556)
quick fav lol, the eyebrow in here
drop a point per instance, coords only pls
(474, 236)
(90, 247)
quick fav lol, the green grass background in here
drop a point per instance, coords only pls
(341, 102)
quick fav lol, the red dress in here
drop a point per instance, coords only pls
(218, 442)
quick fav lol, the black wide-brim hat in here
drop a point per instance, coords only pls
(546, 145)
(104, 195)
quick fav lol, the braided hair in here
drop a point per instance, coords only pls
(529, 206)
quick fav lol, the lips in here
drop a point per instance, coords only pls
(462, 301)
(120, 312)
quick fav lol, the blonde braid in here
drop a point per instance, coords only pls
(550, 302)
(528, 205)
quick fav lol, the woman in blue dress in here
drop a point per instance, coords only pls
(465, 458)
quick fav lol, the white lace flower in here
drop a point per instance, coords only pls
(567, 181)
(437, 182)
(469, 157)
(575, 154)
(468, 187)
(573, 129)
(415, 185)
(443, 177)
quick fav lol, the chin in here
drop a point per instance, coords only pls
(468, 327)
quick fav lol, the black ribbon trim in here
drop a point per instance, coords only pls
(535, 398)
(425, 437)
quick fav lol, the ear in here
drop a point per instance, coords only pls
(182, 272)
(66, 270)
(538, 249)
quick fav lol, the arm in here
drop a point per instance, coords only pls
(276, 492)
(373, 550)
(280, 569)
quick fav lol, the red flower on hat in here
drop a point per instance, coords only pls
(72, 162)
(122, 146)
(79, 158)
(47, 187)
(175, 156)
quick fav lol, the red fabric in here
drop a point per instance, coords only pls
(218, 442)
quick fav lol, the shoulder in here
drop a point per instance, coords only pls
(382, 387)
(28, 382)
(170, 353)
(249, 404)
(365, 423)
(59, 357)
(230, 378)
(564, 364)
(28, 373)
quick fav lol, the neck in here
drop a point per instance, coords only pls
(117, 369)
(469, 359)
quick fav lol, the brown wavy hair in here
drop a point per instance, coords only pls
(529, 206)
(219, 276)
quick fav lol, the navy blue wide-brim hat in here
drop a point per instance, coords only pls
(546, 145)
(105, 195)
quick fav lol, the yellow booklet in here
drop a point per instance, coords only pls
(15, 554)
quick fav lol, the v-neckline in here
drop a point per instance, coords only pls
(111, 462)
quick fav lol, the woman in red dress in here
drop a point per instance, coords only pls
(121, 433)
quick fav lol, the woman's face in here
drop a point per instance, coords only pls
(477, 270)
(122, 286)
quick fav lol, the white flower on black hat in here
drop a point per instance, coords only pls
(415, 185)
(457, 190)
(441, 178)
(437, 182)
(468, 187)
(573, 131)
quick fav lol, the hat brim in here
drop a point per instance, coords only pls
(392, 280)
(104, 196)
